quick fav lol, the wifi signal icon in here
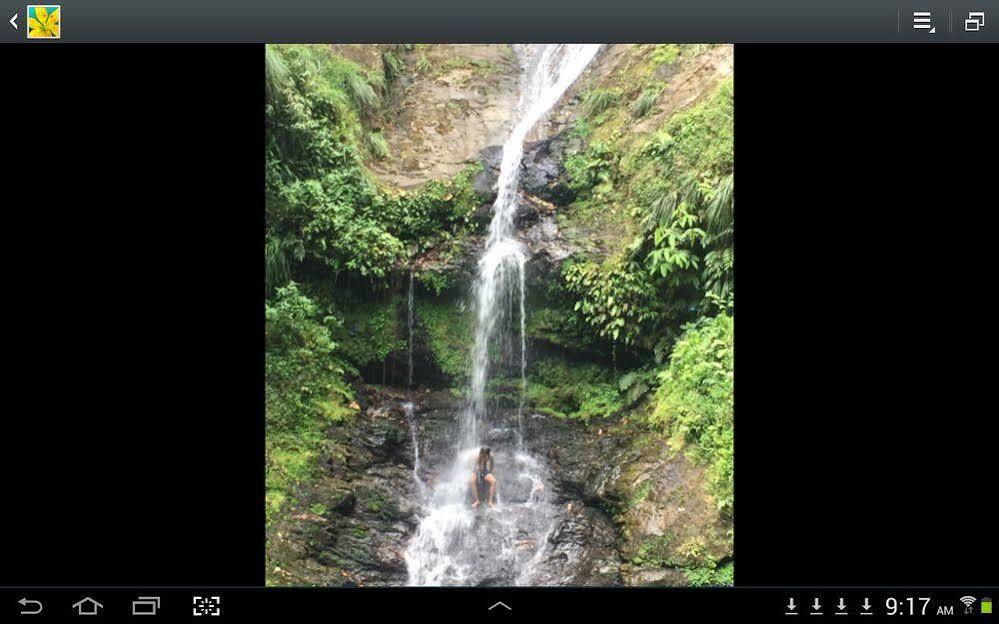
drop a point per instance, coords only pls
(967, 601)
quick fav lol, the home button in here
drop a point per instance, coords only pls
(87, 606)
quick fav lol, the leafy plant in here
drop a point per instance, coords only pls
(393, 63)
(581, 391)
(596, 101)
(694, 404)
(646, 101)
(377, 145)
(708, 576)
(304, 389)
(592, 171)
(449, 333)
(665, 53)
(617, 303)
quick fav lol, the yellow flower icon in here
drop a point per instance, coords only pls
(43, 22)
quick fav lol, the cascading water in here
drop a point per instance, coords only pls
(455, 544)
(408, 405)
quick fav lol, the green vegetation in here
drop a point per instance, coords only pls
(654, 552)
(449, 333)
(665, 53)
(694, 403)
(304, 390)
(334, 239)
(575, 390)
(325, 213)
(677, 190)
(597, 101)
(370, 330)
(708, 576)
(645, 102)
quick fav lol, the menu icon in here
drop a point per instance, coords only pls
(923, 20)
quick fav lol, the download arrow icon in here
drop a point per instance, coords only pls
(816, 604)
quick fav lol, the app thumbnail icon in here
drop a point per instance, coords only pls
(43, 21)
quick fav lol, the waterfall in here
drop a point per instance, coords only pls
(454, 544)
(409, 318)
(408, 405)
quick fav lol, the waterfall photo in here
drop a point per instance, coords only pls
(499, 314)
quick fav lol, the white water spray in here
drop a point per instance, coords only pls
(453, 545)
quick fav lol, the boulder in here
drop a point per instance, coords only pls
(543, 173)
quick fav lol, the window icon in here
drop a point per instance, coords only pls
(146, 605)
(923, 20)
(975, 21)
(44, 21)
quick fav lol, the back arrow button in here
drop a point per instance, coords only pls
(36, 606)
(13, 21)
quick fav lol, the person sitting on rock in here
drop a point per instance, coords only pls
(483, 473)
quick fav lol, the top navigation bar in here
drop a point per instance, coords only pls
(416, 21)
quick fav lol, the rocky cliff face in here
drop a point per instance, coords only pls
(451, 102)
(626, 510)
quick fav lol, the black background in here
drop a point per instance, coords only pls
(133, 222)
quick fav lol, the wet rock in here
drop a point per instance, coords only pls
(344, 503)
(481, 218)
(500, 435)
(667, 517)
(582, 549)
(485, 181)
(458, 262)
(387, 441)
(547, 250)
(575, 507)
(437, 400)
(666, 71)
(637, 576)
(543, 171)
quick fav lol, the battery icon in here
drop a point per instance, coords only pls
(986, 605)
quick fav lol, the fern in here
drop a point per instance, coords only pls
(278, 256)
(597, 101)
(362, 93)
(392, 65)
(377, 145)
(645, 102)
(720, 210)
(277, 76)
